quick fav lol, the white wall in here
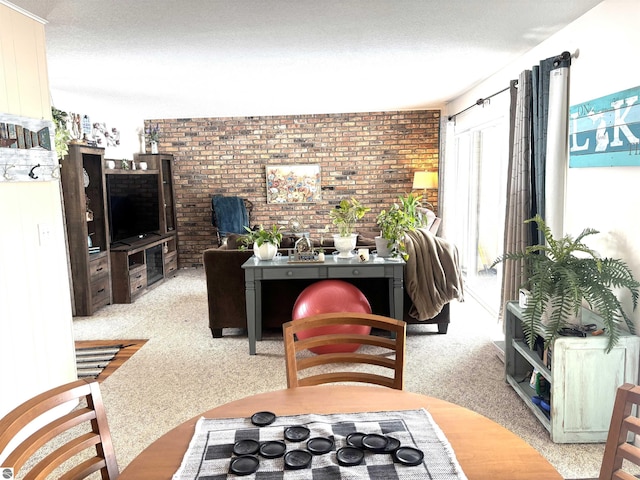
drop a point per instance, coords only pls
(36, 338)
(606, 199)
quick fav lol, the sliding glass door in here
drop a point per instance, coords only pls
(475, 203)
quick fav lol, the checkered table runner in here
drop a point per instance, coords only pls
(210, 451)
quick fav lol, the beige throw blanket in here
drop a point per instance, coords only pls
(432, 275)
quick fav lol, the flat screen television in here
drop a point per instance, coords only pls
(132, 201)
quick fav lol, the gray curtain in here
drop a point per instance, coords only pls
(527, 177)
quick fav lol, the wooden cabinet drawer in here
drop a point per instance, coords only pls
(99, 266)
(171, 266)
(137, 280)
(354, 271)
(100, 292)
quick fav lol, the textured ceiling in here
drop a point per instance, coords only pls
(197, 58)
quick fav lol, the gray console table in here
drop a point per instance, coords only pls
(256, 271)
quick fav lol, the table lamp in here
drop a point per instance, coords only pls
(424, 181)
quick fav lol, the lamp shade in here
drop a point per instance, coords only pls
(424, 180)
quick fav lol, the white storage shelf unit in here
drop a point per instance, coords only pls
(583, 378)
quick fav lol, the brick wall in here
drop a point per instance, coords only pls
(371, 156)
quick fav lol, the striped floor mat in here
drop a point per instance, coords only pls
(100, 358)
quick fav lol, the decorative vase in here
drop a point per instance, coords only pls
(266, 251)
(345, 245)
(154, 147)
(382, 247)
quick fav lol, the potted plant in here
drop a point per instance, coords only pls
(345, 216)
(153, 135)
(560, 281)
(62, 135)
(394, 223)
(265, 242)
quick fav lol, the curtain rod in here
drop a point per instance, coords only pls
(564, 56)
(480, 101)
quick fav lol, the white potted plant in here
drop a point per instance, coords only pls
(265, 242)
(344, 216)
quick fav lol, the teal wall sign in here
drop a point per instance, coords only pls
(605, 132)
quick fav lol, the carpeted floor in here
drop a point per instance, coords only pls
(182, 371)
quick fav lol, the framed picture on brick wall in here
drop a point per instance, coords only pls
(293, 183)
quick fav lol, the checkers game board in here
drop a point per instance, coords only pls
(211, 451)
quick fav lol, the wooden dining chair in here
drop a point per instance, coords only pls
(387, 358)
(623, 422)
(80, 436)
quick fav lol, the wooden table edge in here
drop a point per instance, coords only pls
(471, 435)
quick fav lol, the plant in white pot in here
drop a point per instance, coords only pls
(394, 224)
(345, 216)
(265, 242)
(560, 281)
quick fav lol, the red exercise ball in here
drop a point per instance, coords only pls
(328, 296)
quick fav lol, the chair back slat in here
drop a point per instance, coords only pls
(327, 358)
(387, 351)
(619, 446)
(336, 377)
(61, 434)
(337, 339)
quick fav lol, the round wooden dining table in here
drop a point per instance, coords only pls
(484, 449)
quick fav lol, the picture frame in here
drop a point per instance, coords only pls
(293, 183)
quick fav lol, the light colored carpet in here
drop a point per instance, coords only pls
(182, 371)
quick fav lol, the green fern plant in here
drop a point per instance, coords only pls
(560, 280)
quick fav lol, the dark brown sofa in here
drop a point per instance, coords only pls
(226, 292)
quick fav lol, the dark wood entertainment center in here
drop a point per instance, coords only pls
(105, 267)
(141, 264)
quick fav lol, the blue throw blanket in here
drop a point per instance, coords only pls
(229, 214)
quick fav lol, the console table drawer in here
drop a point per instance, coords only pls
(356, 272)
(288, 273)
(101, 292)
(99, 266)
